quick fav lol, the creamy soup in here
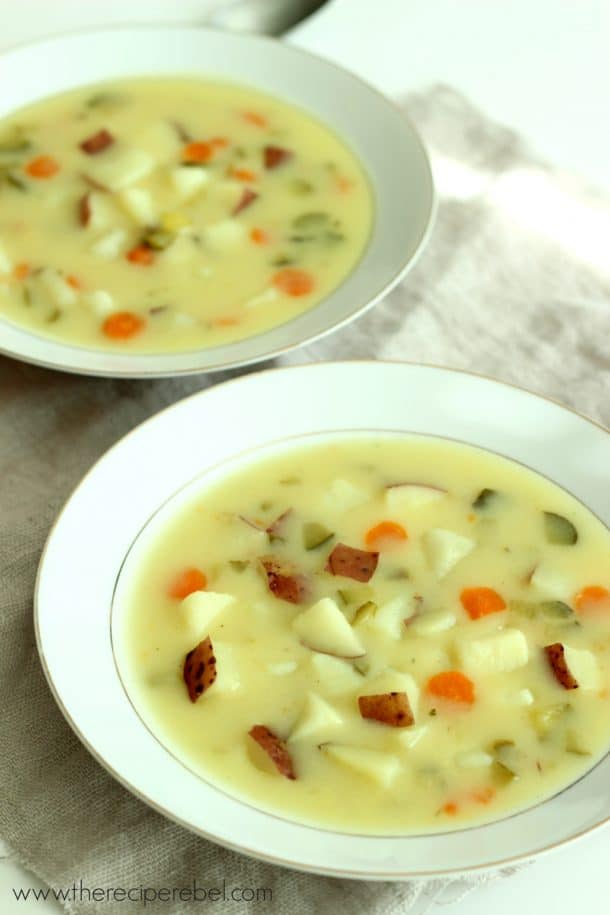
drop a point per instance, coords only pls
(374, 634)
(172, 214)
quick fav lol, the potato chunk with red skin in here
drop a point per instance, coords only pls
(556, 657)
(392, 709)
(284, 583)
(275, 748)
(352, 563)
(248, 196)
(199, 669)
(97, 142)
(275, 156)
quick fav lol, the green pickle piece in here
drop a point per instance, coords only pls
(559, 530)
(315, 535)
(485, 499)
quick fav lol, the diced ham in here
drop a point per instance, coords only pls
(351, 563)
(248, 196)
(276, 155)
(284, 583)
(388, 708)
(199, 669)
(97, 142)
(275, 749)
(84, 210)
(556, 657)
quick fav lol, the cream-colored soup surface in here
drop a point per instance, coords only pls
(174, 214)
(246, 630)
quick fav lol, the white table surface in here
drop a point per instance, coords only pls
(540, 66)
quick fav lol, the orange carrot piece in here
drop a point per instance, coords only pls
(186, 582)
(452, 685)
(122, 325)
(21, 271)
(42, 167)
(243, 174)
(344, 184)
(450, 808)
(259, 236)
(197, 151)
(385, 531)
(74, 281)
(483, 795)
(227, 321)
(592, 599)
(478, 602)
(253, 117)
(219, 142)
(293, 282)
(142, 255)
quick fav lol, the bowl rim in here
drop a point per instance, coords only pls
(143, 367)
(242, 847)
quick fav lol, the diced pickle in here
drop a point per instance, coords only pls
(485, 499)
(301, 187)
(502, 774)
(105, 100)
(362, 665)
(158, 239)
(559, 530)
(311, 222)
(239, 565)
(544, 720)
(552, 611)
(290, 481)
(315, 535)
(366, 611)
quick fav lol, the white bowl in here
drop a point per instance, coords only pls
(379, 134)
(78, 576)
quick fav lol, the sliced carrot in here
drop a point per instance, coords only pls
(483, 795)
(452, 685)
(450, 808)
(122, 325)
(142, 255)
(42, 167)
(385, 531)
(197, 151)
(592, 599)
(259, 236)
(254, 117)
(219, 142)
(186, 582)
(344, 184)
(227, 321)
(294, 282)
(74, 281)
(478, 602)
(243, 174)
(21, 271)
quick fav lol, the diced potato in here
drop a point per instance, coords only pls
(282, 668)
(182, 250)
(518, 697)
(444, 549)
(393, 681)
(227, 673)
(103, 212)
(58, 290)
(226, 192)
(111, 245)
(324, 628)
(225, 235)
(138, 204)
(583, 666)
(381, 767)
(407, 496)
(335, 675)
(100, 301)
(188, 182)
(268, 297)
(473, 759)
(317, 719)
(410, 737)
(343, 495)
(550, 581)
(160, 140)
(499, 653)
(431, 623)
(389, 618)
(6, 264)
(200, 609)
(119, 167)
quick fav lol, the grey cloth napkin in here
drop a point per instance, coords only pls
(513, 284)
